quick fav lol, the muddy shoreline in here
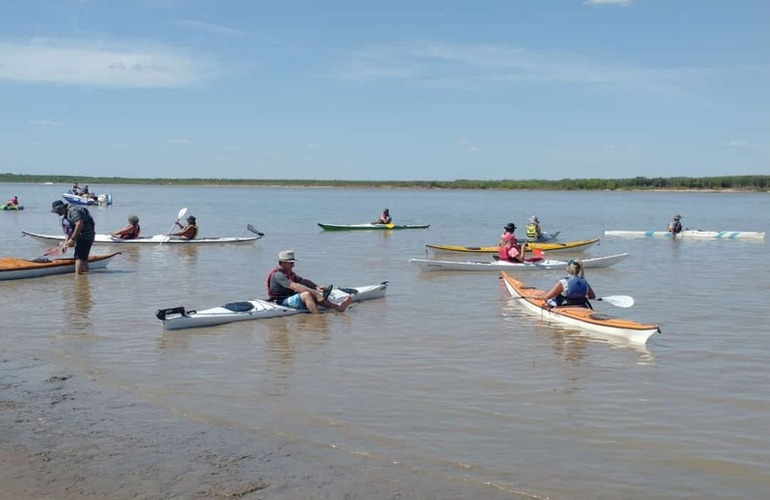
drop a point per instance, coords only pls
(67, 436)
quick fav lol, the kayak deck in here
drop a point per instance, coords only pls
(370, 227)
(570, 246)
(498, 265)
(581, 317)
(178, 318)
(688, 234)
(13, 268)
(103, 239)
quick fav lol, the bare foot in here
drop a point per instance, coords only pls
(345, 303)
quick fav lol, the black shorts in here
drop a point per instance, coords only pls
(83, 249)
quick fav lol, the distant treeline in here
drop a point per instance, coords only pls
(732, 182)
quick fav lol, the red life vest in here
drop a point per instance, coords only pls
(292, 277)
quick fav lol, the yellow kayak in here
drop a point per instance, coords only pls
(570, 246)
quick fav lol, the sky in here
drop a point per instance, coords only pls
(396, 90)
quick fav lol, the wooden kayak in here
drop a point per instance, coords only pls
(370, 227)
(178, 318)
(13, 269)
(570, 246)
(576, 316)
(691, 234)
(502, 265)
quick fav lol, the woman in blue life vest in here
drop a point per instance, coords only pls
(572, 290)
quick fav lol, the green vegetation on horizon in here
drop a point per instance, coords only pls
(730, 182)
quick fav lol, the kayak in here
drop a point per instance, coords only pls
(502, 265)
(577, 316)
(104, 239)
(13, 207)
(370, 227)
(570, 246)
(12, 268)
(178, 318)
(691, 234)
(102, 199)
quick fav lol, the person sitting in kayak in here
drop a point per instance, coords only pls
(534, 232)
(12, 202)
(572, 290)
(675, 226)
(384, 218)
(510, 250)
(131, 231)
(291, 290)
(189, 231)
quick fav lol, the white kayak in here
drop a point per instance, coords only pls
(178, 318)
(498, 265)
(691, 234)
(105, 239)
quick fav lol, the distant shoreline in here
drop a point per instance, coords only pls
(730, 184)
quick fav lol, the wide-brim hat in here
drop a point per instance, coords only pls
(56, 206)
(286, 256)
(510, 227)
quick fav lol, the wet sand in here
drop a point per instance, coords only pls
(66, 436)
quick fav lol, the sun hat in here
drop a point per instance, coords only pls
(191, 218)
(286, 256)
(56, 205)
(534, 219)
(510, 227)
(677, 217)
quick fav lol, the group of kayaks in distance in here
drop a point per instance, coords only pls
(444, 258)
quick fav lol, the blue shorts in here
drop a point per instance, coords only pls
(295, 302)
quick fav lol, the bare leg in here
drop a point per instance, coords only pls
(338, 307)
(309, 299)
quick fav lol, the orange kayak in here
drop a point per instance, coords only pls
(577, 316)
(12, 268)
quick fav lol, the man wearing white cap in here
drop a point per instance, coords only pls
(291, 290)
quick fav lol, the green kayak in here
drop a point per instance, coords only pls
(370, 227)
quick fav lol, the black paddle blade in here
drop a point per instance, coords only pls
(254, 230)
(328, 291)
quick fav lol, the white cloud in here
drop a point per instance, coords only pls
(46, 123)
(737, 143)
(607, 2)
(101, 64)
(475, 64)
(179, 141)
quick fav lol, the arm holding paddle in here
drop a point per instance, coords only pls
(384, 218)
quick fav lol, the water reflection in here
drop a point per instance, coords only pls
(188, 254)
(77, 306)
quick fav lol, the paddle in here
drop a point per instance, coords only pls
(254, 230)
(618, 300)
(179, 216)
(48, 253)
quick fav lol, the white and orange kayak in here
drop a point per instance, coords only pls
(577, 316)
(13, 269)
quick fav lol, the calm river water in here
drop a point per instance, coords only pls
(444, 377)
